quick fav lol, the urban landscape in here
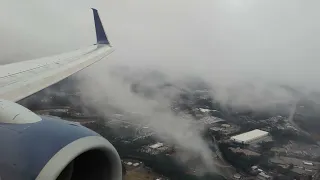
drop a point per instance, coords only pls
(244, 144)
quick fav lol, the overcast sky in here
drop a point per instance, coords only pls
(269, 39)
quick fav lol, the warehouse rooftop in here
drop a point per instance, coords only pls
(249, 136)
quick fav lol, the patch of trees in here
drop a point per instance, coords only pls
(310, 124)
(285, 177)
(256, 115)
(283, 136)
(266, 146)
(161, 163)
(248, 126)
(286, 172)
(58, 93)
(143, 90)
(238, 160)
(189, 102)
(215, 134)
(168, 167)
(265, 164)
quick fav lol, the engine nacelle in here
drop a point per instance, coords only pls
(45, 148)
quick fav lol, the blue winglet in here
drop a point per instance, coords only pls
(100, 33)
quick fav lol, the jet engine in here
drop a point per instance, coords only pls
(45, 148)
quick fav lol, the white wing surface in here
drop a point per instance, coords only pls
(19, 80)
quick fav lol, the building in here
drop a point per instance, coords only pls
(236, 176)
(254, 170)
(250, 136)
(210, 120)
(225, 129)
(263, 176)
(244, 151)
(136, 164)
(308, 163)
(300, 166)
(156, 146)
(204, 110)
(225, 125)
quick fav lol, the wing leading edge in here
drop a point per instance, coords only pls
(19, 80)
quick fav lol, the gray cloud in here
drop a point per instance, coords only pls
(244, 49)
(105, 91)
(270, 40)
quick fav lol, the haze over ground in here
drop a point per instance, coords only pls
(225, 42)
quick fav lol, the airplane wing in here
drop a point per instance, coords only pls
(42, 147)
(19, 80)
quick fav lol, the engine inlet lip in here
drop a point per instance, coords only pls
(63, 157)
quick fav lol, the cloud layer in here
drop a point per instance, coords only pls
(243, 49)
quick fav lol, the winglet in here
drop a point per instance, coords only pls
(100, 33)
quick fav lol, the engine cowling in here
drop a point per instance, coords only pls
(45, 148)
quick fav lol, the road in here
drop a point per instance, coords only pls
(226, 170)
(291, 121)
